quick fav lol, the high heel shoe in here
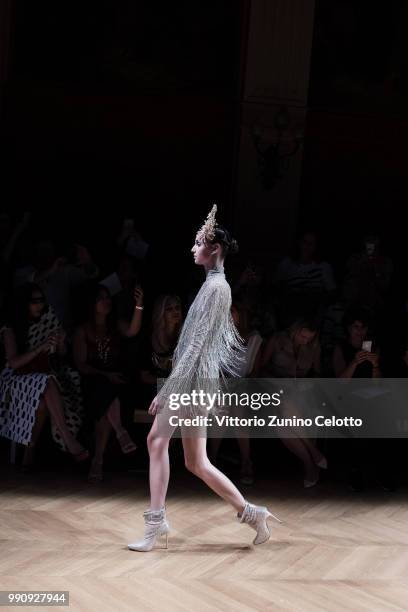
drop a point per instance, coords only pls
(156, 525)
(256, 517)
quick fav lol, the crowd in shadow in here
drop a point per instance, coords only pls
(85, 346)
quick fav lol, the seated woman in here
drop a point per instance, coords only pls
(156, 351)
(97, 355)
(353, 358)
(350, 358)
(295, 353)
(249, 368)
(35, 381)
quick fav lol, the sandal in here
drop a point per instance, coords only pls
(126, 443)
(95, 473)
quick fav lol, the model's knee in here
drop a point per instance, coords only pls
(199, 468)
(156, 445)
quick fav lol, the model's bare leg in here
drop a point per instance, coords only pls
(196, 460)
(156, 524)
(159, 467)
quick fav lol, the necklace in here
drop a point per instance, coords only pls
(103, 348)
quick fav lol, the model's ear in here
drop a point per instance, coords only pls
(216, 248)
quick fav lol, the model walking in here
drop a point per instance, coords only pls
(208, 344)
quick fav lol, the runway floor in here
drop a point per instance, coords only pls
(334, 551)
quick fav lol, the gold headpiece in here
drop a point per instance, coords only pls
(207, 231)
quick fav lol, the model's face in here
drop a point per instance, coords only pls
(36, 305)
(305, 336)
(358, 332)
(103, 305)
(172, 313)
(203, 253)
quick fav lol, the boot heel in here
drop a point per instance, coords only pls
(273, 516)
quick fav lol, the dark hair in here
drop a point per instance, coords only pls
(357, 313)
(223, 237)
(93, 289)
(18, 318)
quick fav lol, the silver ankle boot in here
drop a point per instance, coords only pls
(156, 525)
(256, 517)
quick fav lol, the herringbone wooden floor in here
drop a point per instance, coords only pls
(334, 551)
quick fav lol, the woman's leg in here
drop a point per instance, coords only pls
(53, 401)
(298, 447)
(197, 462)
(302, 447)
(317, 455)
(113, 415)
(40, 418)
(102, 432)
(103, 428)
(159, 467)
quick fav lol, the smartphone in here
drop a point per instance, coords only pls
(367, 346)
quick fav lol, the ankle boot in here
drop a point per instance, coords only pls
(256, 517)
(156, 525)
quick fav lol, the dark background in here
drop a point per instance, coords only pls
(120, 108)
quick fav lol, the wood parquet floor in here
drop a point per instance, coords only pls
(334, 551)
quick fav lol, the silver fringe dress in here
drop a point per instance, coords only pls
(209, 348)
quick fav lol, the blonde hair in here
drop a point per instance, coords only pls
(304, 323)
(158, 321)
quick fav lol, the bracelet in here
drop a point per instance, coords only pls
(139, 307)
